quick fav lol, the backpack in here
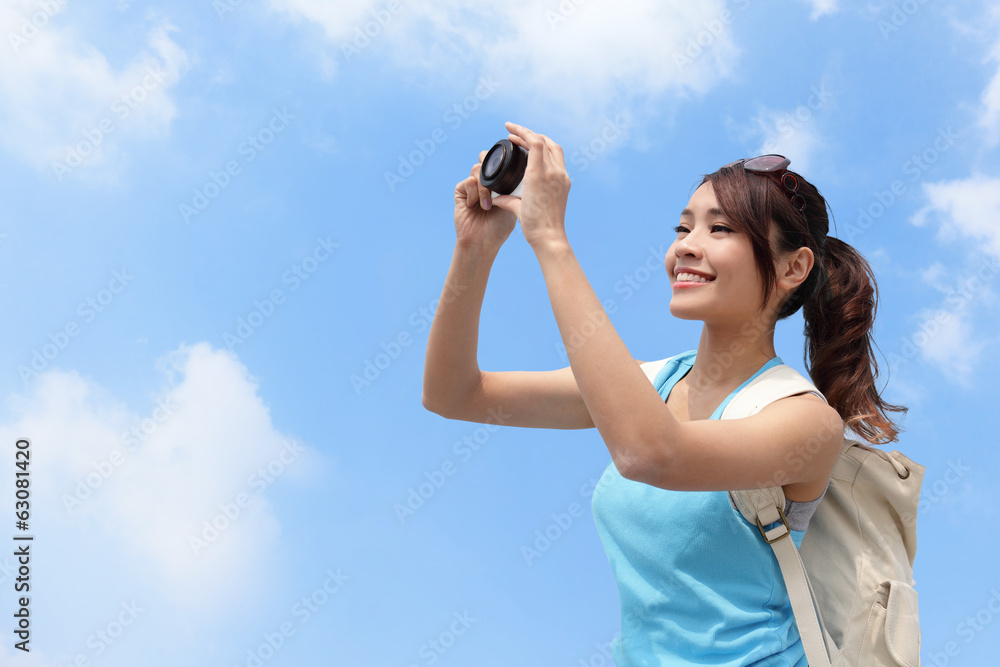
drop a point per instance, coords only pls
(851, 583)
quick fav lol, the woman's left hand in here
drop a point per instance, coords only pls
(542, 205)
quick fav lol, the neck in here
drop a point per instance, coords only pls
(728, 357)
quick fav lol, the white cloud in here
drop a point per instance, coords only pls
(780, 134)
(145, 494)
(967, 209)
(934, 275)
(57, 91)
(966, 212)
(989, 117)
(821, 7)
(13, 656)
(580, 61)
(792, 132)
(947, 339)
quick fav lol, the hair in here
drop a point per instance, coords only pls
(839, 298)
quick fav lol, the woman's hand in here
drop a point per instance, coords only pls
(479, 224)
(542, 205)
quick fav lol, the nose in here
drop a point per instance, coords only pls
(688, 246)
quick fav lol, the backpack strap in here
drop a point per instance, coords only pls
(765, 508)
(815, 638)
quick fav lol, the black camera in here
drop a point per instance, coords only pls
(503, 168)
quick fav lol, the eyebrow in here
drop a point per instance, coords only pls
(715, 211)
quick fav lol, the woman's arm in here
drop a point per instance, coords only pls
(796, 437)
(451, 368)
(454, 386)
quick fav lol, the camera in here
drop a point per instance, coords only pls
(503, 168)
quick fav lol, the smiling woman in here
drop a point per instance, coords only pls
(695, 580)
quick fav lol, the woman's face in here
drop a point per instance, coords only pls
(707, 243)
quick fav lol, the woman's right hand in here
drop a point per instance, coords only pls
(477, 226)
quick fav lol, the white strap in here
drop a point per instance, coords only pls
(765, 512)
(775, 383)
(799, 588)
(764, 506)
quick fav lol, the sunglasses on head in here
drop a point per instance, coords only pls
(776, 167)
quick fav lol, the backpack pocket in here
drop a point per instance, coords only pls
(892, 635)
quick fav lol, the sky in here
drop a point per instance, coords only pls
(224, 229)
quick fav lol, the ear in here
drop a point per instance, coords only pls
(794, 268)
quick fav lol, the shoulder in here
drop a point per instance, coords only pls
(814, 428)
(794, 439)
(808, 409)
(817, 442)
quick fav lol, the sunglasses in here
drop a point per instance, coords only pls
(775, 166)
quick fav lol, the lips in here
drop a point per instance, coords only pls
(686, 275)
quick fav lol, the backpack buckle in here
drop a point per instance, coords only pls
(769, 535)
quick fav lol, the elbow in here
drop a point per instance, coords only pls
(446, 399)
(430, 405)
(648, 466)
(430, 397)
(636, 470)
(626, 470)
(439, 407)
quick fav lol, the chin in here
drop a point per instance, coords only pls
(682, 313)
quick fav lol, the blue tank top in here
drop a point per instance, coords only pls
(696, 583)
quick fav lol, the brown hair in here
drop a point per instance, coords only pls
(839, 298)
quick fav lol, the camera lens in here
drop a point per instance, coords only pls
(493, 161)
(503, 168)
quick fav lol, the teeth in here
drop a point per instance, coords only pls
(691, 278)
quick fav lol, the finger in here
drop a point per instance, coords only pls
(461, 193)
(532, 142)
(472, 190)
(485, 198)
(529, 138)
(480, 191)
(482, 194)
(519, 134)
(509, 203)
(550, 150)
(515, 139)
(555, 153)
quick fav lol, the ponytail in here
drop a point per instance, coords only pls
(839, 320)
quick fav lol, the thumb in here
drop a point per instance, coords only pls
(508, 203)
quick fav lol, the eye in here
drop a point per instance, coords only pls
(717, 227)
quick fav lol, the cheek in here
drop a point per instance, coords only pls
(669, 260)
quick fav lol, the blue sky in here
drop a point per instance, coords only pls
(216, 213)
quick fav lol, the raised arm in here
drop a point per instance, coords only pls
(454, 386)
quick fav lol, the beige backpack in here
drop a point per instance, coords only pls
(851, 584)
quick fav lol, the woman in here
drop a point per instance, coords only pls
(696, 583)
